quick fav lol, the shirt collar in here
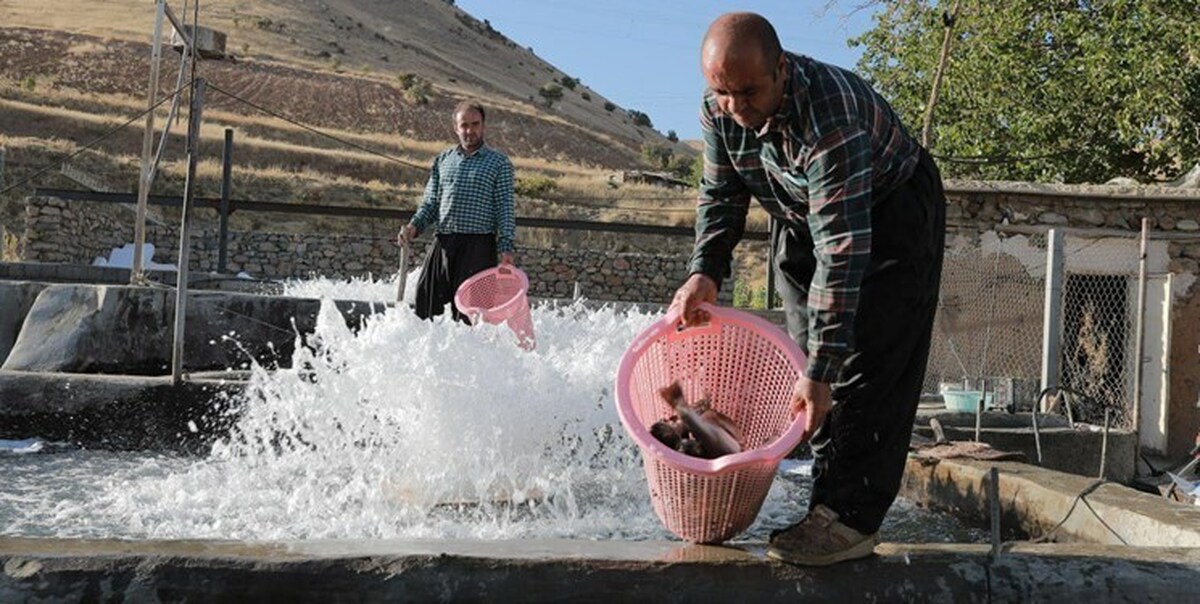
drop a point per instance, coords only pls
(463, 152)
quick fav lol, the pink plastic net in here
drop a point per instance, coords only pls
(498, 295)
(748, 368)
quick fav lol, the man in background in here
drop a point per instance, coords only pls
(469, 197)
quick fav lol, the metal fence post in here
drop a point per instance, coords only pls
(1139, 331)
(1052, 321)
(226, 187)
(189, 192)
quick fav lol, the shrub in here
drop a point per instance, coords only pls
(683, 168)
(657, 155)
(416, 89)
(29, 83)
(609, 106)
(551, 91)
(671, 136)
(585, 96)
(569, 82)
(639, 118)
(697, 169)
(534, 186)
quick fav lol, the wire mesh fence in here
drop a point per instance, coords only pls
(989, 325)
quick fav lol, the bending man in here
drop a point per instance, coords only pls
(859, 227)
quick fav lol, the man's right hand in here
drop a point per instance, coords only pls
(407, 234)
(698, 288)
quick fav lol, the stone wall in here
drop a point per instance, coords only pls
(1174, 213)
(75, 232)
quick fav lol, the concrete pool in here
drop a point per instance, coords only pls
(334, 474)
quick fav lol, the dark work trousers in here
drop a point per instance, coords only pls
(453, 259)
(861, 447)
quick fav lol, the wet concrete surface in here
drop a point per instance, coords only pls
(1039, 501)
(53, 570)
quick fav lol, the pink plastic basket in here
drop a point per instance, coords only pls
(497, 295)
(748, 367)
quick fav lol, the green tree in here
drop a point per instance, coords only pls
(657, 155)
(1073, 91)
(681, 167)
(671, 136)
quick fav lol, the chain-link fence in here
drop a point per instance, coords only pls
(989, 327)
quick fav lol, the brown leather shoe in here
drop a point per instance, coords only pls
(820, 540)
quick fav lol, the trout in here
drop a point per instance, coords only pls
(715, 439)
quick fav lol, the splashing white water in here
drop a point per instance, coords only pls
(407, 429)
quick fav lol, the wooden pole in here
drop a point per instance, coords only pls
(189, 192)
(144, 178)
(927, 125)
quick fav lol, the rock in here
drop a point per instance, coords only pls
(16, 298)
(125, 329)
(1052, 218)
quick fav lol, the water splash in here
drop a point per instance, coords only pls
(405, 429)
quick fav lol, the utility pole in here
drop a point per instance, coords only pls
(189, 192)
(144, 178)
(226, 189)
(927, 124)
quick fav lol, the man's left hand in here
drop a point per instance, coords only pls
(815, 399)
(506, 258)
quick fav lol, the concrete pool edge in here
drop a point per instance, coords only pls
(1036, 500)
(544, 570)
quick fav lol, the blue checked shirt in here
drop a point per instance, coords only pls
(834, 147)
(470, 194)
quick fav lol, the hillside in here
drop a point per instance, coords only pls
(336, 63)
(382, 76)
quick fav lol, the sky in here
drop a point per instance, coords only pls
(645, 54)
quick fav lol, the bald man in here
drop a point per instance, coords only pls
(858, 231)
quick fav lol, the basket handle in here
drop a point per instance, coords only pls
(674, 318)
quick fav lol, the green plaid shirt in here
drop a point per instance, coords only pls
(470, 194)
(832, 149)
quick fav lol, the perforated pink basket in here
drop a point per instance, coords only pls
(748, 368)
(498, 295)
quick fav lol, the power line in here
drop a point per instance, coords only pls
(315, 131)
(93, 143)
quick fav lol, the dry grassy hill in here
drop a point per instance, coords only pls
(343, 63)
(381, 74)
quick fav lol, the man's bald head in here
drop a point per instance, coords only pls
(744, 67)
(741, 38)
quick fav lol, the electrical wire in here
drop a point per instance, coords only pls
(1082, 496)
(90, 144)
(293, 122)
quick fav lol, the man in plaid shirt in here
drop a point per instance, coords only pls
(469, 197)
(859, 227)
